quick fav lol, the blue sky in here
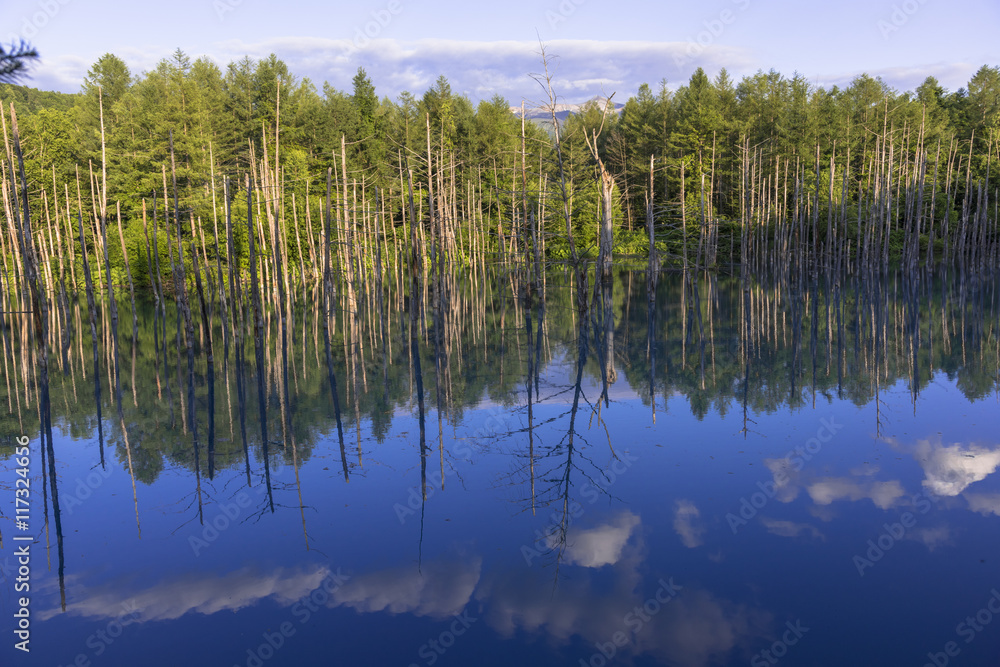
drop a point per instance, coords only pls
(487, 48)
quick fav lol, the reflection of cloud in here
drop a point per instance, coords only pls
(441, 589)
(684, 520)
(202, 593)
(789, 528)
(825, 490)
(600, 546)
(785, 479)
(984, 503)
(950, 470)
(823, 512)
(438, 589)
(695, 628)
(930, 537)
(828, 489)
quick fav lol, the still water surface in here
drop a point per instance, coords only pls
(711, 473)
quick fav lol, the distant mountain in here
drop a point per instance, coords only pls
(543, 116)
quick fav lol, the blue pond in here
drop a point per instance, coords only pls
(699, 471)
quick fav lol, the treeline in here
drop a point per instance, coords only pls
(715, 172)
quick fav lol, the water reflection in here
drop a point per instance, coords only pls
(203, 593)
(696, 627)
(715, 342)
(950, 469)
(672, 622)
(633, 419)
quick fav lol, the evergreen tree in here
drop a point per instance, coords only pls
(14, 61)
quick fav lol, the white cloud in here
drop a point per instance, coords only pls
(62, 73)
(581, 68)
(950, 75)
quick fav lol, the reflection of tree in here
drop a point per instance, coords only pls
(258, 343)
(652, 279)
(605, 324)
(551, 469)
(777, 323)
(531, 382)
(560, 485)
(868, 338)
(418, 375)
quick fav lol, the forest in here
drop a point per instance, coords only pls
(218, 257)
(714, 173)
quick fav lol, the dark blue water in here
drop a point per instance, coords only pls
(714, 474)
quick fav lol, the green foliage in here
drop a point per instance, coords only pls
(31, 100)
(223, 123)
